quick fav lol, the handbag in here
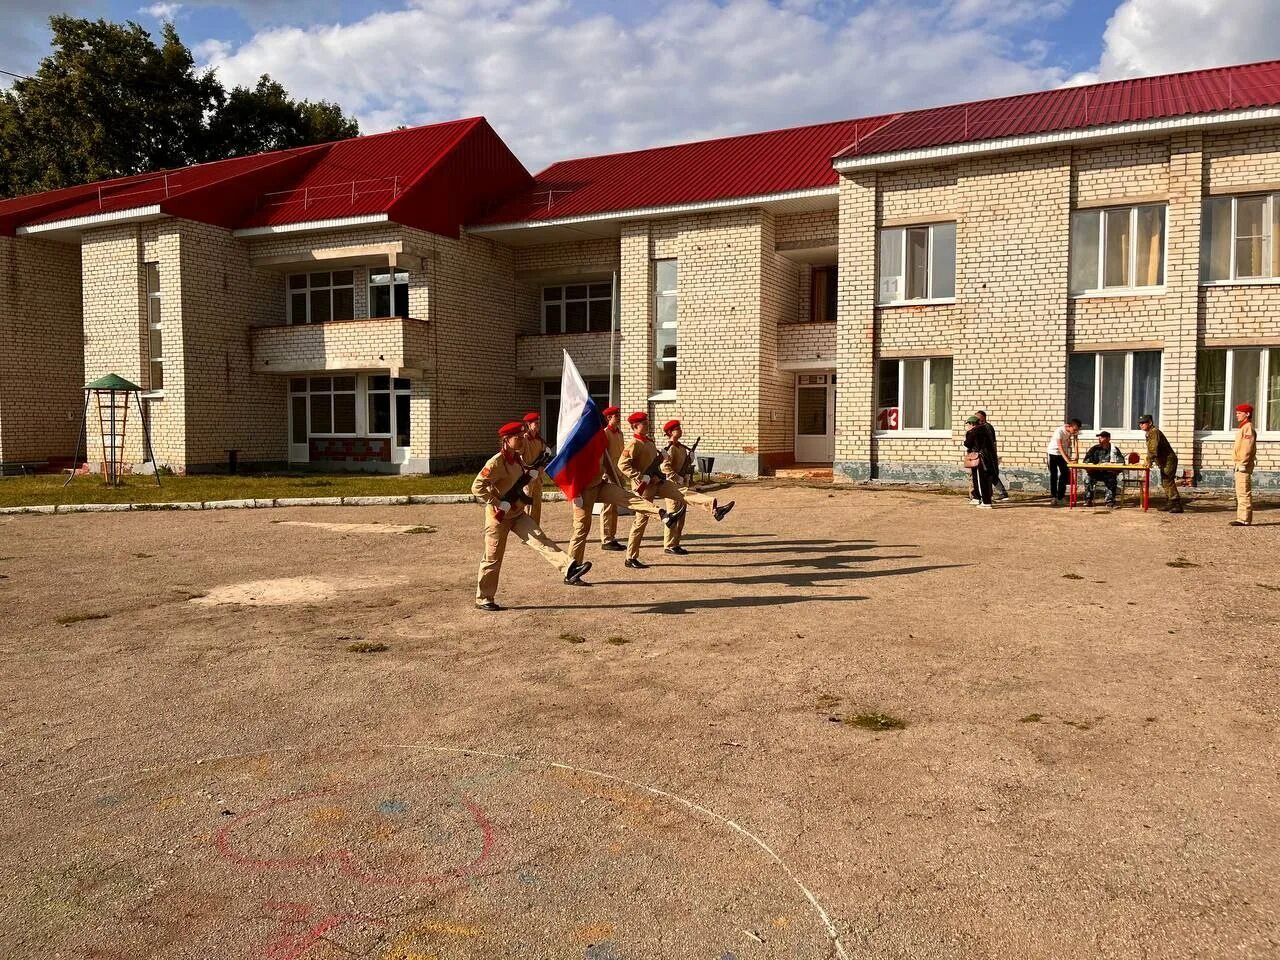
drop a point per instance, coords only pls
(972, 461)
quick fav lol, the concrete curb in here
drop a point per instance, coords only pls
(403, 500)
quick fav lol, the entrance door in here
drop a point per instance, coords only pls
(815, 417)
(298, 447)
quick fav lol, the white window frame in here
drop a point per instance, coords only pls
(929, 299)
(1120, 431)
(674, 294)
(1269, 222)
(564, 300)
(157, 326)
(289, 292)
(394, 274)
(925, 431)
(1130, 290)
(355, 392)
(1260, 402)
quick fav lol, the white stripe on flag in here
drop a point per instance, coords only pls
(573, 399)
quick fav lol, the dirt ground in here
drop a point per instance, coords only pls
(663, 765)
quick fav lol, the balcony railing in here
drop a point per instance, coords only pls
(377, 343)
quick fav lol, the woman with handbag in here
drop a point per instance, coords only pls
(980, 458)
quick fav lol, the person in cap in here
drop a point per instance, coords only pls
(1244, 456)
(609, 512)
(678, 468)
(1104, 451)
(980, 454)
(1000, 492)
(1160, 453)
(640, 465)
(500, 485)
(607, 489)
(534, 447)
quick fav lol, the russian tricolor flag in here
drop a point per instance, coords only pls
(580, 433)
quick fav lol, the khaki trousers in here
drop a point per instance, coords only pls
(613, 497)
(665, 489)
(1244, 496)
(1169, 480)
(495, 545)
(608, 523)
(671, 537)
(535, 494)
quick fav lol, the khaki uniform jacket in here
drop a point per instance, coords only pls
(1245, 452)
(533, 448)
(1159, 451)
(636, 457)
(616, 443)
(677, 460)
(496, 478)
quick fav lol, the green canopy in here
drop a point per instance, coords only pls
(112, 381)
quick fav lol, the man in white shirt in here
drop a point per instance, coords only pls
(1059, 454)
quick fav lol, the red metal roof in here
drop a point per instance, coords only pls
(1218, 90)
(410, 175)
(752, 165)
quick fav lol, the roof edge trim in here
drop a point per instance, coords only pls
(92, 220)
(1077, 135)
(308, 225)
(632, 213)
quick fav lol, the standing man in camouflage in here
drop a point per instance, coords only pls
(1244, 456)
(1160, 453)
(534, 447)
(639, 466)
(505, 477)
(609, 512)
(676, 467)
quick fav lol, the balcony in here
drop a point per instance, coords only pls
(380, 343)
(806, 346)
(540, 356)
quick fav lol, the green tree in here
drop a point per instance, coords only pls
(265, 118)
(108, 101)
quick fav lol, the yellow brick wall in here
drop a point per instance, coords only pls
(42, 360)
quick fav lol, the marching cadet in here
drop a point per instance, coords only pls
(502, 485)
(639, 464)
(608, 512)
(534, 447)
(676, 466)
(608, 489)
(1244, 457)
(1161, 454)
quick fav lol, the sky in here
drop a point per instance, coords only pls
(568, 78)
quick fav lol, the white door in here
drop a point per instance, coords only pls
(815, 417)
(298, 447)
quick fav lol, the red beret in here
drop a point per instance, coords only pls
(1245, 408)
(638, 417)
(530, 417)
(514, 428)
(610, 411)
(670, 425)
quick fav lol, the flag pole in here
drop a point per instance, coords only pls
(613, 334)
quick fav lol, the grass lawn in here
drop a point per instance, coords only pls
(40, 490)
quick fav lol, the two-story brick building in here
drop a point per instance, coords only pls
(842, 293)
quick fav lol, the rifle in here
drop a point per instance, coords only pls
(520, 489)
(687, 469)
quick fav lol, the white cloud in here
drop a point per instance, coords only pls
(1148, 37)
(162, 11)
(557, 83)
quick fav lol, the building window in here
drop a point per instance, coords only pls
(1119, 248)
(388, 293)
(298, 410)
(1240, 238)
(1225, 378)
(385, 396)
(918, 263)
(321, 297)
(1110, 391)
(333, 406)
(665, 323)
(914, 394)
(578, 308)
(598, 390)
(822, 295)
(155, 335)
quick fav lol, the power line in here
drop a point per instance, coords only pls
(17, 76)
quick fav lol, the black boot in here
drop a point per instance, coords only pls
(633, 564)
(672, 517)
(573, 576)
(721, 512)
